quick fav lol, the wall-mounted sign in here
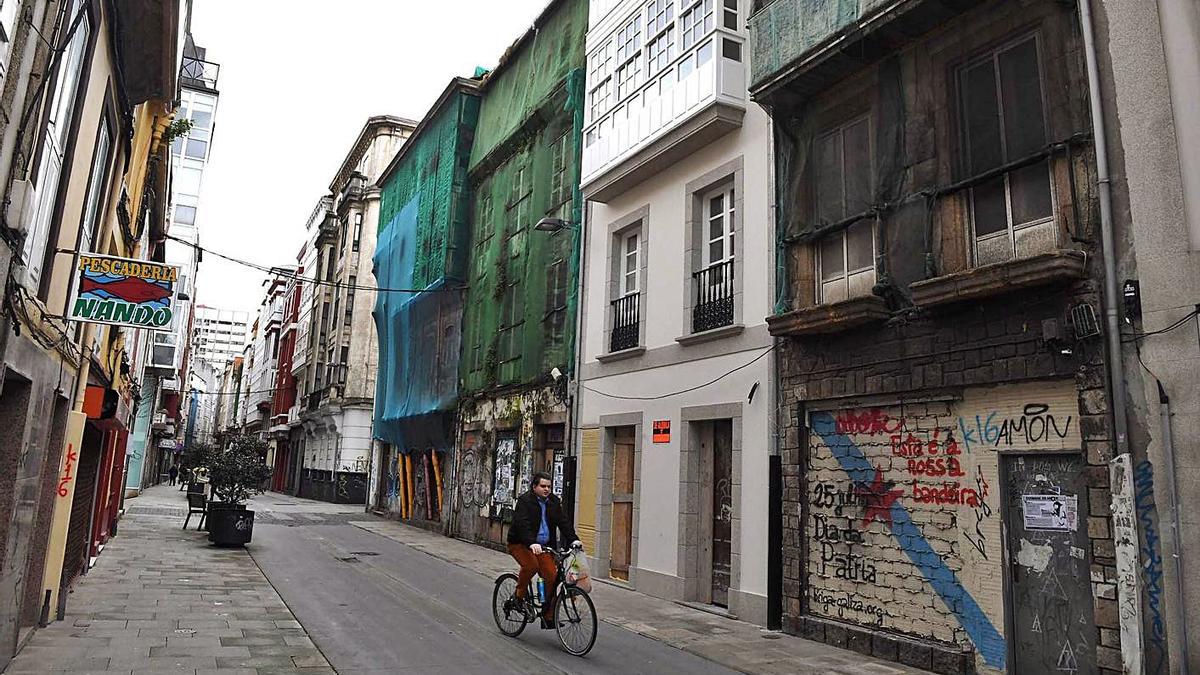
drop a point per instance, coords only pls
(1050, 512)
(123, 292)
(662, 431)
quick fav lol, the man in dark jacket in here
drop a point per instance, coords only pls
(536, 517)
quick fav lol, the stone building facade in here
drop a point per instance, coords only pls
(943, 385)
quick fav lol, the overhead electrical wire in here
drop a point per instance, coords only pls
(278, 272)
(1126, 339)
(747, 364)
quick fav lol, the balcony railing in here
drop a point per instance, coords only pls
(714, 297)
(198, 73)
(626, 322)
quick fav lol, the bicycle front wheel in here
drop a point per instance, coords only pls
(507, 609)
(575, 621)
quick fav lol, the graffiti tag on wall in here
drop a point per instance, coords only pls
(902, 507)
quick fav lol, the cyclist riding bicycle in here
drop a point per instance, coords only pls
(537, 515)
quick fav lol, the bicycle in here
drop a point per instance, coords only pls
(574, 614)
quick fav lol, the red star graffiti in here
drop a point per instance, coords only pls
(878, 497)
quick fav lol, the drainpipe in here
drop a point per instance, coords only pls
(1164, 408)
(1125, 538)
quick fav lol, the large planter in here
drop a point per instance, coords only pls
(213, 507)
(230, 526)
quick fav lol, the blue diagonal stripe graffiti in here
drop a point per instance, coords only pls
(944, 581)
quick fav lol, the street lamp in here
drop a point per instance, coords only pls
(554, 225)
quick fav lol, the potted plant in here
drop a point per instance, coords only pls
(234, 475)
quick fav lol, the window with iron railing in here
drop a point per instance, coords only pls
(714, 283)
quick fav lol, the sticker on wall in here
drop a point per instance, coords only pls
(662, 431)
(1050, 512)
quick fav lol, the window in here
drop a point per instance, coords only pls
(600, 98)
(344, 226)
(847, 263)
(696, 22)
(630, 263)
(512, 315)
(719, 226)
(561, 180)
(1003, 121)
(96, 184)
(629, 76)
(843, 171)
(659, 14)
(556, 300)
(61, 107)
(357, 231)
(517, 213)
(629, 40)
(350, 300)
(660, 51)
(731, 15)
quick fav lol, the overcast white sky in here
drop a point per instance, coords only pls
(298, 80)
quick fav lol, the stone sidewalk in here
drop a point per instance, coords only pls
(161, 599)
(734, 644)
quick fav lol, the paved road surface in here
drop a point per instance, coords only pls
(373, 605)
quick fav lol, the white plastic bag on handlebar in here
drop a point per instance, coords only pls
(577, 570)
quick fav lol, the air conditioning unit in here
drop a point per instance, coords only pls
(162, 358)
(20, 197)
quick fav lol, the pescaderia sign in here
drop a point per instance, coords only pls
(123, 292)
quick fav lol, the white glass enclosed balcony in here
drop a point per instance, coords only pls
(665, 77)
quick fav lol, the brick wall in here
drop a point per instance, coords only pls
(929, 376)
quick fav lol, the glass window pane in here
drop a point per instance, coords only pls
(990, 214)
(856, 167)
(829, 178)
(196, 149)
(1030, 188)
(185, 215)
(1021, 88)
(982, 117)
(716, 227)
(201, 119)
(716, 251)
(860, 248)
(833, 263)
(704, 54)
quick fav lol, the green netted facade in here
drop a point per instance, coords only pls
(424, 237)
(524, 165)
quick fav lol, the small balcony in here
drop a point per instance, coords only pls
(197, 73)
(626, 322)
(714, 297)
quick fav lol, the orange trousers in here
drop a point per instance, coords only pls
(534, 564)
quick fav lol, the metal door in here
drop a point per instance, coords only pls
(722, 511)
(1046, 550)
(621, 549)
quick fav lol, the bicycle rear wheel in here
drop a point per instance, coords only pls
(507, 609)
(575, 621)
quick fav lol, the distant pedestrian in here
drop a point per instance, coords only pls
(173, 472)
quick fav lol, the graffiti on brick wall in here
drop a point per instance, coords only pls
(1152, 571)
(902, 506)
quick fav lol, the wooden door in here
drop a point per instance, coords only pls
(722, 511)
(1046, 548)
(621, 548)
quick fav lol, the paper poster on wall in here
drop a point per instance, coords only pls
(1050, 512)
(503, 485)
(558, 472)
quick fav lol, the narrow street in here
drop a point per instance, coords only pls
(326, 588)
